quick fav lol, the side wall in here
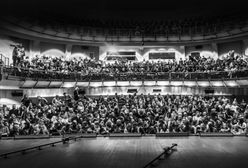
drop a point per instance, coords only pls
(52, 49)
(6, 98)
(142, 53)
(245, 47)
(6, 49)
(78, 51)
(224, 48)
(207, 50)
(34, 47)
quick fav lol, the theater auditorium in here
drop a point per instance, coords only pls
(123, 84)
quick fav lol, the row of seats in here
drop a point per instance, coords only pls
(111, 27)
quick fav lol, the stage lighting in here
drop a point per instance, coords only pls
(123, 83)
(68, 84)
(176, 83)
(83, 84)
(135, 83)
(217, 83)
(231, 83)
(95, 84)
(150, 83)
(109, 83)
(163, 83)
(189, 83)
(203, 83)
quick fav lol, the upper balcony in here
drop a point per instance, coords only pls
(98, 32)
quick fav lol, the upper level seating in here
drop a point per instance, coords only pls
(78, 29)
(44, 67)
(142, 27)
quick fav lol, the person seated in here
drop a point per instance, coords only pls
(26, 101)
(127, 114)
(56, 101)
(4, 129)
(41, 101)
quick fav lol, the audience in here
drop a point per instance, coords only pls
(195, 25)
(86, 67)
(145, 114)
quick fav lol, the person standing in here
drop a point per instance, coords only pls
(21, 53)
(76, 94)
(15, 55)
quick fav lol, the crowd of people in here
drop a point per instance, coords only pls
(230, 62)
(145, 114)
(199, 25)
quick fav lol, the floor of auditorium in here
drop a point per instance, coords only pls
(101, 152)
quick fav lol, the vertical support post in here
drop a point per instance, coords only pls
(34, 48)
(215, 50)
(245, 47)
(68, 49)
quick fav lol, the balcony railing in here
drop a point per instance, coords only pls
(151, 76)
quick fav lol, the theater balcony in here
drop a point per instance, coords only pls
(97, 32)
(41, 79)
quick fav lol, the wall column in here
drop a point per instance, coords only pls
(245, 47)
(34, 48)
(183, 52)
(97, 52)
(215, 50)
(68, 48)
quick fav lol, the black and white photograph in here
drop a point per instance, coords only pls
(123, 84)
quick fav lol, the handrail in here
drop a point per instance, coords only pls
(42, 74)
(165, 152)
